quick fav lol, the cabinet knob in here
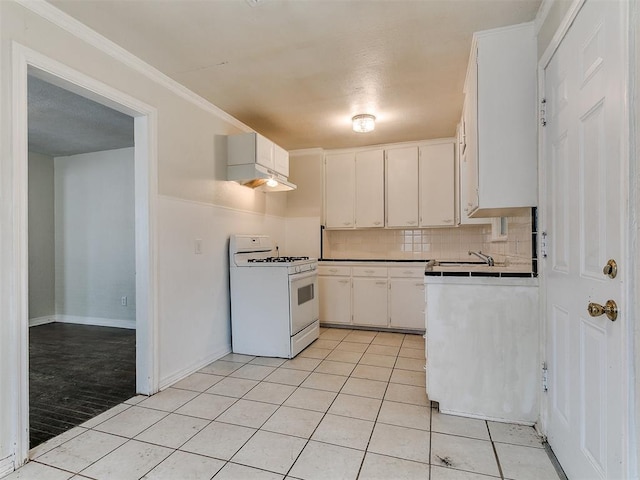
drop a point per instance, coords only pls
(369, 271)
(343, 281)
(411, 222)
(377, 223)
(448, 220)
(381, 282)
(346, 223)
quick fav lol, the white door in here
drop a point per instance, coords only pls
(584, 211)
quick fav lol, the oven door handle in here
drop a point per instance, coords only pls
(302, 275)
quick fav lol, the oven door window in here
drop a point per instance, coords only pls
(305, 294)
(303, 301)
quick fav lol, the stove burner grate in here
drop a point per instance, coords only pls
(277, 259)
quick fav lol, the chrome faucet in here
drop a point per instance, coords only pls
(485, 258)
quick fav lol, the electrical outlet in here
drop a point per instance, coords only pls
(123, 301)
(198, 246)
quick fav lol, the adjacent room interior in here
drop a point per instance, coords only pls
(82, 298)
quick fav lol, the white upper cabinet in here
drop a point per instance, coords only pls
(280, 160)
(500, 117)
(369, 208)
(340, 175)
(247, 148)
(437, 185)
(264, 151)
(402, 187)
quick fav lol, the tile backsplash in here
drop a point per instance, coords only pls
(452, 243)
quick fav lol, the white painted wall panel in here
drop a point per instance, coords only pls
(94, 223)
(41, 237)
(193, 299)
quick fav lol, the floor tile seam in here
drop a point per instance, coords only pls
(56, 446)
(250, 466)
(468, 471)
(153, 467)
(109, 453)
(52, 466)
(375, 423)
(495, 451)
(541, 447)
(404, 426)
(209, 422)
(396, 457)
(108, 418)
(269, 403)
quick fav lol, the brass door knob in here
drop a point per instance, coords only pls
(611, 269)
(610, 309)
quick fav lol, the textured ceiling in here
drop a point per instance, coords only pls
(297, 71)
(62, 123)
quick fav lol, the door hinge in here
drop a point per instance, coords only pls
(543, 245)
(545, 377)
(543, 112)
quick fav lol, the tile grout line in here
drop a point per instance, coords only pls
(495, 451)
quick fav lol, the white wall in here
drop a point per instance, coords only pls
(41, 237)
(193, 297)
(191, 167)
(304, 205)
(94, 237)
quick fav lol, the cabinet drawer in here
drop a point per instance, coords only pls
(338, 270)
(406, 272)
(370, 271)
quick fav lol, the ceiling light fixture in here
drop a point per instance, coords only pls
(363, 123)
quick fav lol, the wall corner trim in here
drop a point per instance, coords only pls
(102, 43)
(542, 14)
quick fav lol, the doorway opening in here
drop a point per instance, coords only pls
(81, 225)
(28, 64)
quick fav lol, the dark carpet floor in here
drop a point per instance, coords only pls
(75, 373)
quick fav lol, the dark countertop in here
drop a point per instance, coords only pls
(360, 260)
(462, 273)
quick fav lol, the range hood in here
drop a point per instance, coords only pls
(258, 163)
(258, 177)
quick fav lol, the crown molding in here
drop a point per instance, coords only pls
(102, 43)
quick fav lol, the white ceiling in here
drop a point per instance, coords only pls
(297, 71)
(62, 123)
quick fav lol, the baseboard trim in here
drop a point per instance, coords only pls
(6, 466)
(194, 367)
(34, 322)
(97, 321)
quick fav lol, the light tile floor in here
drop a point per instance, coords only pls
(352, 405)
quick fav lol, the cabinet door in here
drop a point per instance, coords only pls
(370, 189)
(340, 173)
(406, 303)
(468, 168)
(402, 187)
(437, 185)
(264, 151)
(335, 299)
(281, 160)
(370, 301)
(470, 158)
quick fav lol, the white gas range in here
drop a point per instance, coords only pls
(274, 303)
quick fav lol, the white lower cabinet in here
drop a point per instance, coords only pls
(372, 296)
(370, 301)
(406, 303)
(335, 296)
